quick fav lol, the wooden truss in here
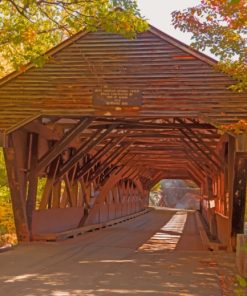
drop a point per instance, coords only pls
(103, 168)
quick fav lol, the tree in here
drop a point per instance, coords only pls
(4, 190)
(220, 25)
(28, 28)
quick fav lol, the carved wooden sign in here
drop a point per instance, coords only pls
(107, 96)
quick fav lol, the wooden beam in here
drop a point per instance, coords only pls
(61, 145)
(32, 177)
(167, 135)
(96, 138)
(4, 140)
(56, 195)
(239, 196)
(68, 190)
(137, 124)
(195, 156)
(194, 177)
(87, 192)
(49, 183)
(230, 182)
(199, 158)
(202, 150)
(111, 182)
(199, 139)
(17, 198)
(116, 168)
(197, 163)
(43, 131)
(96, 158)
(196, 171)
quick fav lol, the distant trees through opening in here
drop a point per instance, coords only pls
(175, 193)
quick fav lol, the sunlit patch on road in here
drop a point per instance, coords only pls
(168, 236)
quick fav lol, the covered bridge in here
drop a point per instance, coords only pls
(106, 118)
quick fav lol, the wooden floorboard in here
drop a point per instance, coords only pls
(159, 253)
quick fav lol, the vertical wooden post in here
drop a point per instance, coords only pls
(49, 183)
(209, 187)
(211, 211)
(32, 178)
(68, 190)
(239, 196)
(230, 183)
(56, 195)
(17, 192)
(75, 190)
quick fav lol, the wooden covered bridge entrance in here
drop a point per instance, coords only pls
(105, 119)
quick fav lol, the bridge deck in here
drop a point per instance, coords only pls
(159, 253)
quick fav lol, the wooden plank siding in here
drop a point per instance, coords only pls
(174, 81)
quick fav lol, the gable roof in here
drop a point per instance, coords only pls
(173, 79)
(56, 49)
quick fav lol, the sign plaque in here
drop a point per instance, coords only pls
(107, 96)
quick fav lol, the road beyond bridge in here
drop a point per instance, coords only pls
(159, 253)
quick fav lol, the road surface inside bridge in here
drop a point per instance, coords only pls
(159, 253)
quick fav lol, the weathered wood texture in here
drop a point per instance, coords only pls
(17, 183)
(106, 118)
(170, 78)
(239, 196)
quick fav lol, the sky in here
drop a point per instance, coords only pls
(158, 14)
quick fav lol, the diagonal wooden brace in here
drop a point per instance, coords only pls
(96, 158)
(97, 138)
(61, 145)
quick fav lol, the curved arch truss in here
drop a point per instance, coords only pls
(98, 169)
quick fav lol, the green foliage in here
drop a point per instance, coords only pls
(156, 187)
(242, 285)
(4, 189)
(190, 184)
(241, 281)
(7, 227)
(41, 186)
(234, 1)
(236, 128)
(238, 71)
(29, 28)
(221, 26)
(6, 218)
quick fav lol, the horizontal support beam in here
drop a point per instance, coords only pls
(136, 126)
(156, 125)
(168, 136)
(43, 131)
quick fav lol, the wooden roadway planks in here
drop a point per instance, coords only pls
(97, 255)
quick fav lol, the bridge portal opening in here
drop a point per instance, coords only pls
(176, 193)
